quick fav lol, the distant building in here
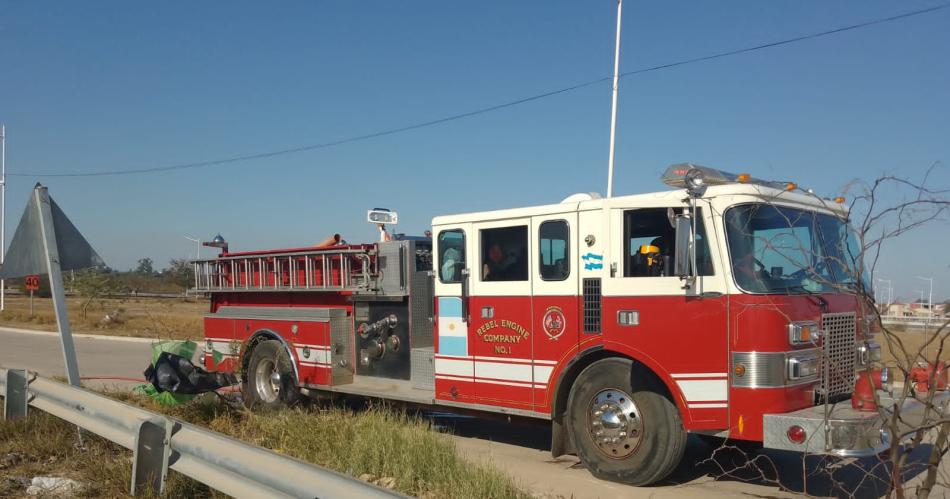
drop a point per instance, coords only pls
(916, 309)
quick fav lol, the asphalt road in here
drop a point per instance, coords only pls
(709, 470)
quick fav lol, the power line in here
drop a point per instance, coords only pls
(789, 40)
(469, 114)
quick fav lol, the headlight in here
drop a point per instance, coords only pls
(867, 353)
(803, 333)
(800, 368)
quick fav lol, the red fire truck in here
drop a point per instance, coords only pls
(720, 307)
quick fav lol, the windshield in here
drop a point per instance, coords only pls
(776, 249)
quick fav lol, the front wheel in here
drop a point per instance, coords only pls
(624, 428)
(269, 382)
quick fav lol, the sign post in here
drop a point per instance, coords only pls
(32, 284)
(41, 196)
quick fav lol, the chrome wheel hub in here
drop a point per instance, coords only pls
(614, 423)
(267, 379)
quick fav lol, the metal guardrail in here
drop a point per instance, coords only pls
(160, 443)
(914, 321)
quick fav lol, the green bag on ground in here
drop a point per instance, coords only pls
(164, 398)
(184, 349)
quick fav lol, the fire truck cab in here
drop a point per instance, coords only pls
(720, 307)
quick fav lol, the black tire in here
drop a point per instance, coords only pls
(268, 358)
(634, 410)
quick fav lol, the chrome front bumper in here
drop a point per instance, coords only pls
(848, 433)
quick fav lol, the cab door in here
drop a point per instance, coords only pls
(453, 362)
(501, 313)
(555, 302)
(650, 314)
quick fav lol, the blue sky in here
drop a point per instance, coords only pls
(118, 85)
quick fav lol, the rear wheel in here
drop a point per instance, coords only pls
(269, 381)
(624, 427)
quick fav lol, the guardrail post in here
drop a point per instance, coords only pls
(150, 456)
(15, 398)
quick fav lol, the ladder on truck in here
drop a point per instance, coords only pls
(327, 269)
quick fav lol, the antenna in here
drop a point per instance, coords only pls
(613, 106)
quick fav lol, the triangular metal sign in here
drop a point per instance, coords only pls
(27, 256)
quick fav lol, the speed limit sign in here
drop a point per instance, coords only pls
(33, 282)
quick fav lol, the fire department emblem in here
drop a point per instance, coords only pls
(554, 322)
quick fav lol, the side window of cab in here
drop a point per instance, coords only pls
(649, 244)
(554, 261)
(451, 255)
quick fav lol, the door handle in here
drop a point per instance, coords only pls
(488, 312)
(465, 276)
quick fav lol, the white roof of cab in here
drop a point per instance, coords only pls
(726, 194)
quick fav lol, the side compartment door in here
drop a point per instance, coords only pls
(453, 363)
(555, 301)
(500, 328)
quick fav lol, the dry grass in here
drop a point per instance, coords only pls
(143, 317)
(915, 341)
(43, 445)
(381, 445)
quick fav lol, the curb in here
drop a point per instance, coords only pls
(131, 339)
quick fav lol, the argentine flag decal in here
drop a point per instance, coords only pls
(453, 333)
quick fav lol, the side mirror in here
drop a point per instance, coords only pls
(683, 253)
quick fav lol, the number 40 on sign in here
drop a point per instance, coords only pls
(32, 282)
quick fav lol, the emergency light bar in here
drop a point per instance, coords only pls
(679, 176)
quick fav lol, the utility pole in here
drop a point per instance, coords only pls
(3, 210)
(613, 106)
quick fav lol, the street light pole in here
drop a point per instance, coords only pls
(888, 302)
(197, 257)
(197, 247)
(930, 299)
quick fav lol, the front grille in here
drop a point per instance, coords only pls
(837, 369)
(591, 305)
